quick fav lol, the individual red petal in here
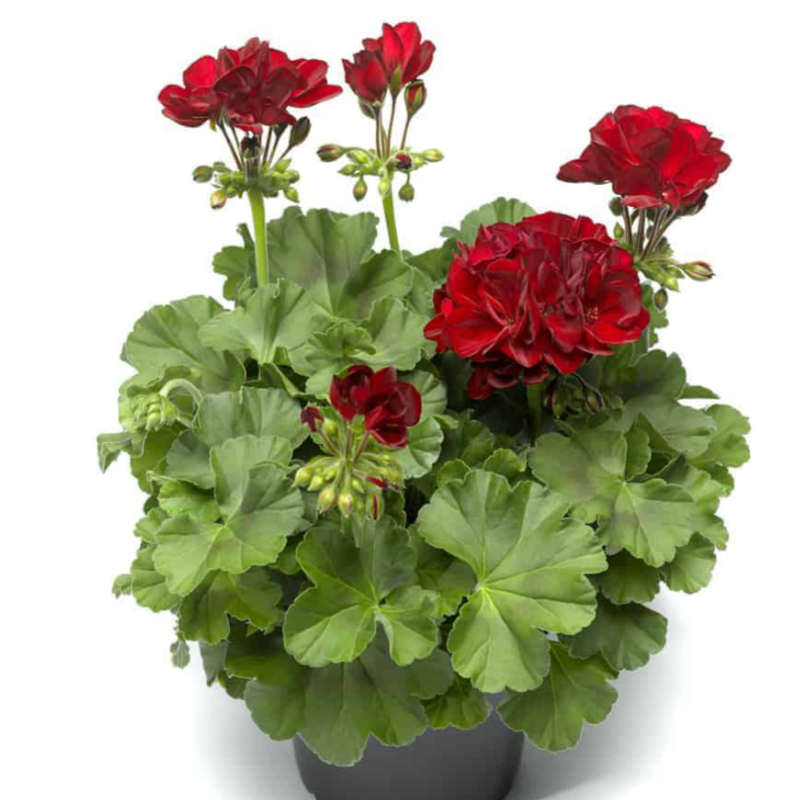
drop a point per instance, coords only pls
(201, 74)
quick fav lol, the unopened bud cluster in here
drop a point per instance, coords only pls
(148, 411)
(569, 394)
(352, 474)
(271, 180)
(364, 163)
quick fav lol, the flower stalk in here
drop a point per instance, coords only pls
(256, 199)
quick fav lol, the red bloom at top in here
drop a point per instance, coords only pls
(389, 406)
(396, 58)
(651, 157)
(539, 295)
(250, 86)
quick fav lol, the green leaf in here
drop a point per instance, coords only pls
(255, 599)
(122, 585)
(451, 579)
(655, 373)
(188, 460)
(469, 440)
(629, 580)
(651, 521)
(506, 462)
(277, 698)
(531, 566)
(692, 566)
(328, 254)
(177, 497)
(168, 336)
(345, 703)
(424, 444)
(455, 470)
(330, 351)
(432, 391)
(639, 453)
(179, 652)
(280, 315)
(695, 392)
(259, 511)
(149, 587)
(109, 446)
(147, 527)
(574, 692)
(671, 426)
(354, 590)
(238, 266)
(500, 210)
(397, 335)
(213, 656)
(203, 614)
(588, 468)
(259, 412)
(626, 636)
(462, 707)
(728, 446)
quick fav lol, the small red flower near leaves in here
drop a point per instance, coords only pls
(389, 406)
(651, 157)
(540, 295)
(251, 86)
(396, 58)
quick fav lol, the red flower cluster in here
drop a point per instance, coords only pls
(396, 58)
(546, 292)
(251, 87)
(651, 157)
(389, 406)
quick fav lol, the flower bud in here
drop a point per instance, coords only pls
(282, 165)
(616, 206)
(618, 231)
(290, 193)
(218, 199)
(250, 148)
(406, 192)
(349, 170)
(303, 476)
(370, 109)
(671, 282)
(360, 189)
(299, 132)
(403, 162)
(220, 166)
(660, 299)
(433, 155)
(593, 401)
(699, 271)
(375, 506)
(415, 96)
(346, 502)
(330, 428)
(202, 174)
(384, 187)
(330, 152)
(317, 482)
(357, 485)
(291, 175)
(327, 497)
(359, 156)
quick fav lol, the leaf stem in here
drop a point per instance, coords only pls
(391, 223)
(260, 234)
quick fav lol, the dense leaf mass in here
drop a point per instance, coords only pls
(522, 544)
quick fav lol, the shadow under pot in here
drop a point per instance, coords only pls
(449, 764)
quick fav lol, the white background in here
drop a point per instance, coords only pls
(101, 220)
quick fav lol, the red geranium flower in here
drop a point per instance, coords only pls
(389, 406)
(651, 157)
(539, 295)
(251, 86)
(394, 59)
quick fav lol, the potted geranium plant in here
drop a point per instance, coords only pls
(421, 497)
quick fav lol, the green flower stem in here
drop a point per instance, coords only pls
(391, 224)
(535, 394)
(260, 233)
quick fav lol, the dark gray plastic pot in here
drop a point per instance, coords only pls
(479, 764)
